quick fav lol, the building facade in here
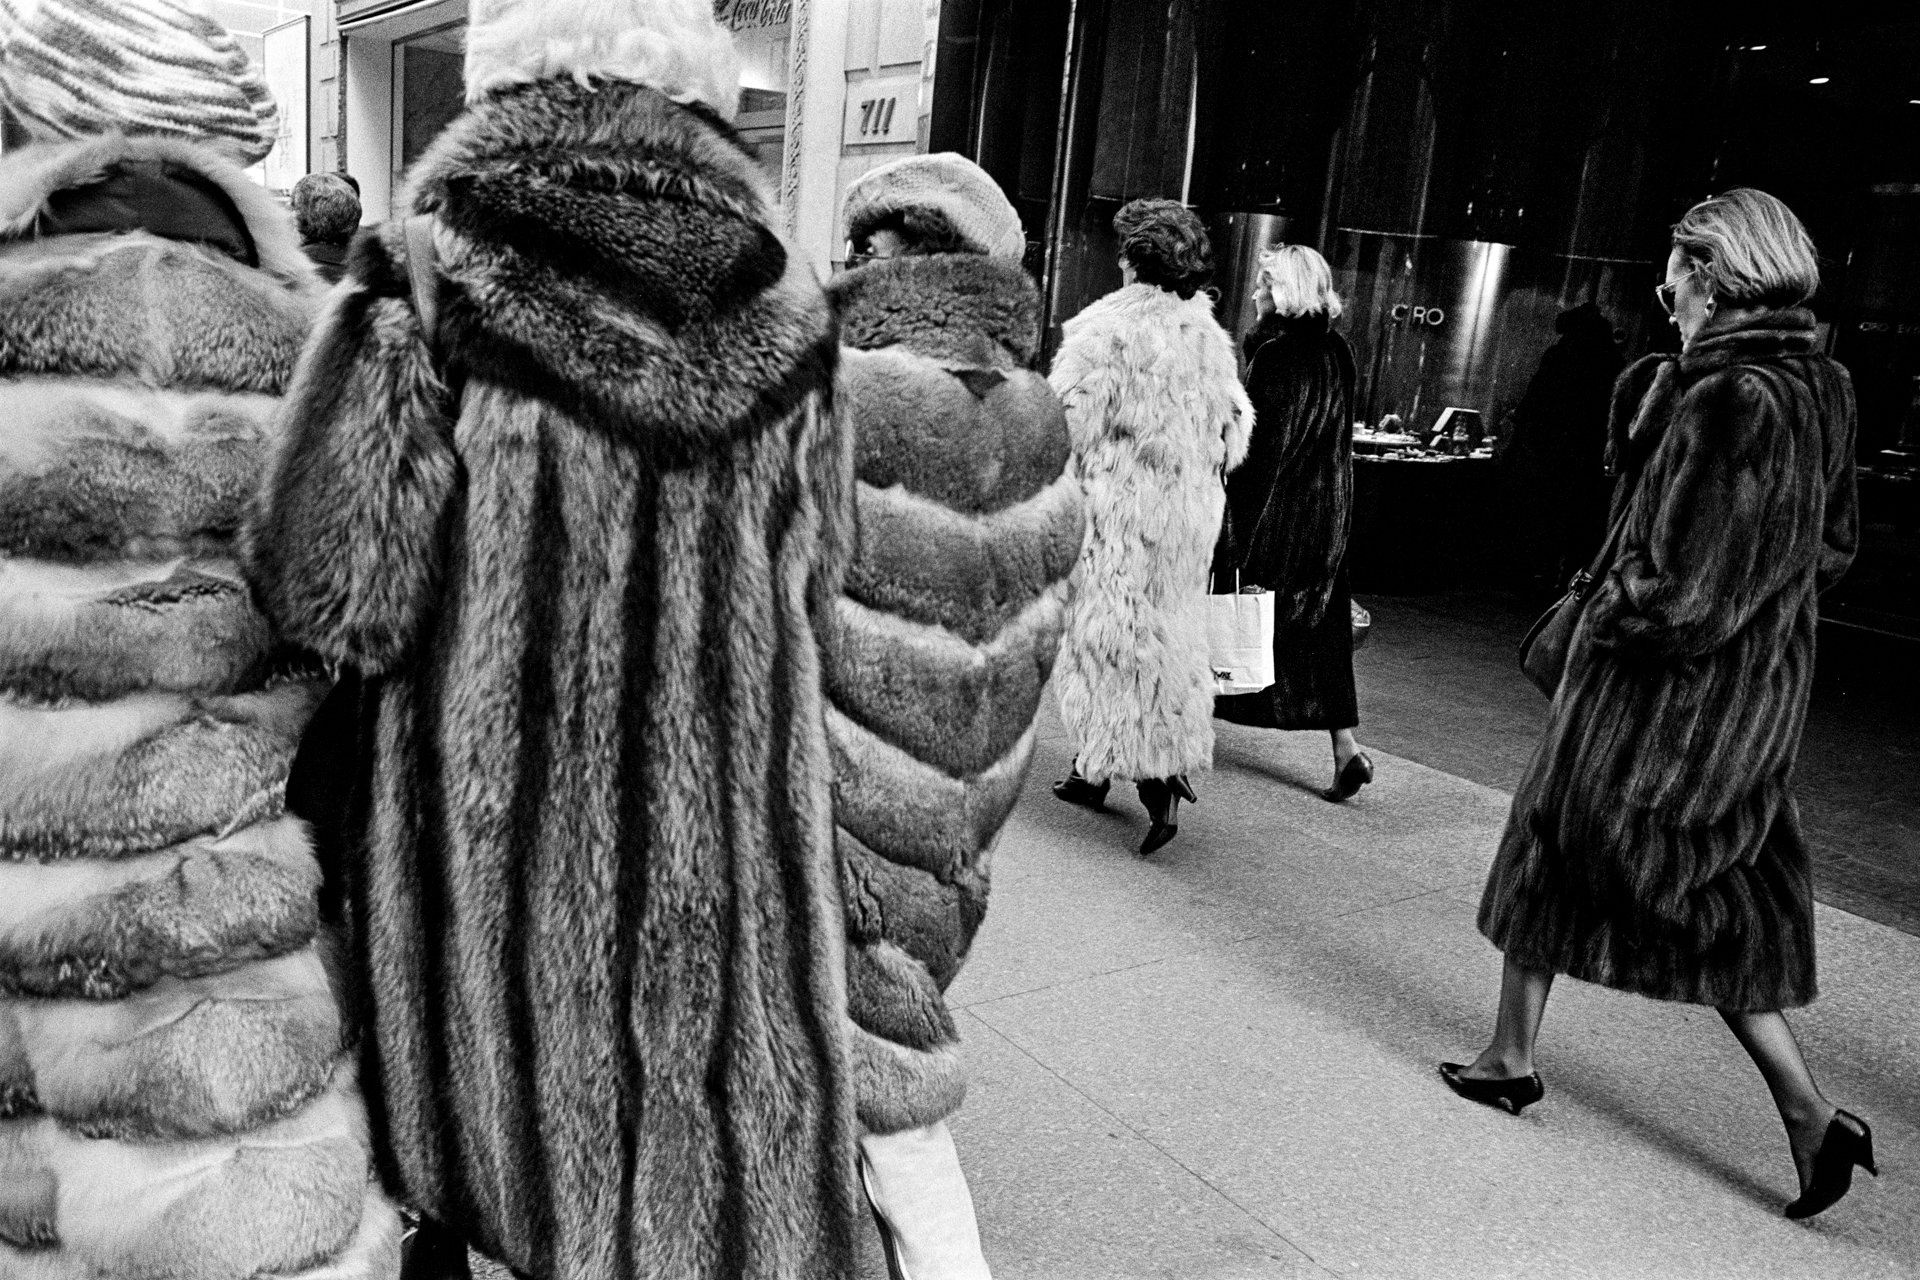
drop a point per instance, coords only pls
(829, 89)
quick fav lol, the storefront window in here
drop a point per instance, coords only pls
(761, 33)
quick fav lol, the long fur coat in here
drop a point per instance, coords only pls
(577, 559)
(177, 1097)
(1654, 845)
(1157, 415)
(1289, 511)
(943, 642)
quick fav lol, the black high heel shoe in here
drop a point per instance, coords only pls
(1355, 774)
(1514, 1094)
(1162, 797)
(1075, 789)
(1840, 1150)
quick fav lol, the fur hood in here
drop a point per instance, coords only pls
(564, 211)
(31, 176)
(957, 308)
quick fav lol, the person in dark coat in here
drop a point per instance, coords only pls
(1654, 845)
(938, 651)
(1555, 459)
(1290, 508)
(577, 544)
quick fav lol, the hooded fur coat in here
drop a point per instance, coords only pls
(943, 642)
(1157, 416)
(177, 1096)
(590, 871)
(1654, 845)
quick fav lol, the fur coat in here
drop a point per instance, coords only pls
(1654, 845)
(942, 643)
(1157, 416)
(177, 1097)
(577, 560)
(1289, 511)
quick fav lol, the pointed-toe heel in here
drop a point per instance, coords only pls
(1355, 774)
(1162, 797)
(1075, 789)
(1840, 1151)
(1512, 1095)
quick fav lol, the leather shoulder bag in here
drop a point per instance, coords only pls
(1543, 653)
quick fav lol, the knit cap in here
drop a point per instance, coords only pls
(947, 183)
(81, 68)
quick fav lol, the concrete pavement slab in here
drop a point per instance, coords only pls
(1263, 1004)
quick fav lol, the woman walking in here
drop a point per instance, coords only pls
(1157, 416)
(1290, 506)
(1654, 845)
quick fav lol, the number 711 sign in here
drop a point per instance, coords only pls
(882, 111)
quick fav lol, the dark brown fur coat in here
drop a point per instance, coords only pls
(176, 1083)
(1654, 845)
(943, 642)
(591, 879)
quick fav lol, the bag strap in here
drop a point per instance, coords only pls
(423, 276)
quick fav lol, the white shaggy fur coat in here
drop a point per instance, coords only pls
(1157, 415)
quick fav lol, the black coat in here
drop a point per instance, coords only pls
(1654, 845)
(1290, 509)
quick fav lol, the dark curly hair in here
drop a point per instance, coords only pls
(925, 231)
(1167, 245)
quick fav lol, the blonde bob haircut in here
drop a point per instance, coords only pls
(674, 46)
(1299, 281)
(1749, 250)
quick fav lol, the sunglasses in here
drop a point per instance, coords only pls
(1663, 293)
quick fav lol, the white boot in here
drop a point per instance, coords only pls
(914, 1182)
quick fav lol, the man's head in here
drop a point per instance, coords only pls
(326, 208)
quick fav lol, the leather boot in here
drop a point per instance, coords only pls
(1075, 789)
(921, 1204)
(1162, 797)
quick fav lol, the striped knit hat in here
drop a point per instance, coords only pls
(79, 68)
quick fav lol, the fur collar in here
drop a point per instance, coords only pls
(954, 306)
(1137, 304)
(30, 177)
(1786, 332)
(1275, 326)
(614, 252)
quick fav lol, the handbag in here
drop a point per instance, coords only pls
(1543, 653)
(1240, 639)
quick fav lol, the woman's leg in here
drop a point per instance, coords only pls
(1804, 1110)
(1344, 748)
(1523, 999)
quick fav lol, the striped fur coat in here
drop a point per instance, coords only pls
(969, 526)
(590, 869)
(1157, 414)
(177, 1097)
(1654, 845)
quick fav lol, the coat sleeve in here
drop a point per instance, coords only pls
(1086, 389)
(1735, 520)
(345, 542)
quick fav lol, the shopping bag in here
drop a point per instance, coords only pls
(1240, 640)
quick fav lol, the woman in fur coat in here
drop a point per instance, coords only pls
(1157, 416)
(574, 542)
(1654, 845)
(1290, 507)
(177, 1090)
(947, 633)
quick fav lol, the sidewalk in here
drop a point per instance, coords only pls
(1219, 1063)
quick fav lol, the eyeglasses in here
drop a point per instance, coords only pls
(1663, 293)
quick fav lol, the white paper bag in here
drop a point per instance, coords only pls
(1240, 641)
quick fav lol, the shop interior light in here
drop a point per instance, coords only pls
(1820, 67)
(1820, 80)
